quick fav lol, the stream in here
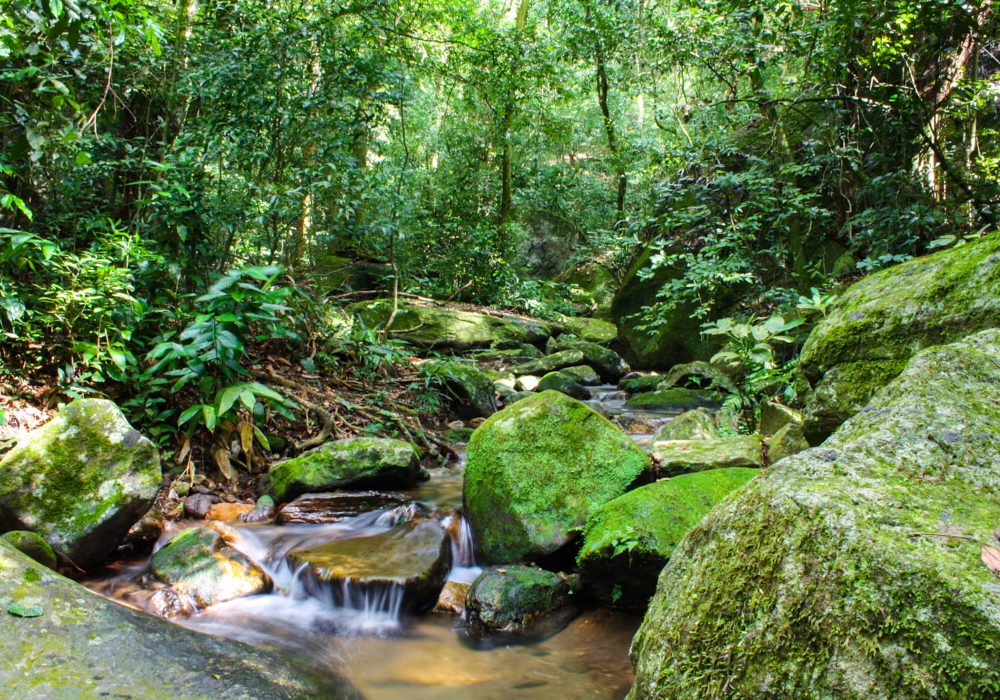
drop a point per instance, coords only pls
(386, 654)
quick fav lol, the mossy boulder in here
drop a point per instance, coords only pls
(582, 374)
(690, 425)
(450, 328)
(564, 384)
(788, 441)
(851, 570)
(550, 363)
(457, 434)
(702, 375)
(607, 363)
(514, 599)
(592, 329)
(640, 385)
(537, 470)
(674, 400)
(881, 321)
(412, 558)
(471, 391)
(685, 456)
(628, 540)
(200, 563)
(775, 416)
(80, 481)
(359, 462)
(32, 545)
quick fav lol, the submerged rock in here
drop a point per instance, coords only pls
(676, 399)
(788, 441)
(83, 646)
(515, 599)
(334, 507)
(411, 559)
(690, 425)
(557, 381)
(881, 321)
(472, 391)
(775, 416)
(536, 471)
(686, 456)
(200, 563)
(628, 540)
(354, 462)
(32, 545)
(549, 363)
(607, 363)
(224, 512)
(80, 481)
(582, 374)
(842, 571)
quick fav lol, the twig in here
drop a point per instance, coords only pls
(939, 534)
(107, 88)
(456, 292)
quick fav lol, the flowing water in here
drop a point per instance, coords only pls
(365, 636)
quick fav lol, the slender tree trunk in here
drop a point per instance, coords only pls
(506, 165)
(609, 128)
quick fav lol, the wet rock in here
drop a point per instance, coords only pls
(536, 471)
(503, 391)
(506, 379)
(637, 425)
(514, 599)
(639, 384)
(528, 382)
(229, 511)
(452, 598)
(815, 570)
(606, 362)
(549, 363)
(788, 441)
(518, 396)
(83, 646)
(197, 506)
(168, 603)
(557, 381)
(628, 540)
(31, 544)
(354, 462)
(702, 374)
(146, 532)
(454, 435)
(80, 481)
(334, 507)
(685, 456)
(774, 416)
(582, 374)
(690, 425)
(413, 559)
(263, 511)
(199, 563)
(593, 330)
(471, 391)
(677, 399)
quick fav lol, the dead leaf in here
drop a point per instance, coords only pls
(656, 457)
(991, 557)
(221, 456)
(246, 438)
(185, 448)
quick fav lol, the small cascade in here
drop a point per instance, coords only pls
(463, 549)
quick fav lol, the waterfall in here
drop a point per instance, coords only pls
(463, 549)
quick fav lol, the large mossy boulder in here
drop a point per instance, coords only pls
(607, 363)
(564, 384)
(514, 599)
(80, 481)
(690, 425)
(472, 391)
(83, 646)
(881, 321)
(200, 563)
(702, 375)
(788, 441)
(640, 385)
(686, 456)
(537, 470)
(851, 570)
(360, 463)
(674, 400)
(450, 328)
(550, 363)
(628, 540)
(411, 560)
(32, 545)
(582, 374)
(593, 330)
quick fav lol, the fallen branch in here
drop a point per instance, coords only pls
(939, 534)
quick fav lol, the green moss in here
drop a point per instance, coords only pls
(535, 472)
(590, 329)
(674, 400)
(471, 390)
(549, 363)
(640, 385)
(564, 384)
(31, 576)
(513, 598)
(690, 425)
(605, 362)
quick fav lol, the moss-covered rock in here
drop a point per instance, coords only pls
(200, 563)
(514, 599)
(881, 321)
(355, 462)
(775, 416)
(629, 539)
(608, 364)
(537, 470)
(842, 571)
(413, 558)
(457, 434)
(450, 328)
(685, 456)
(592, 329)
(549, 363)
(80, 481)
(702, 374)
(674, 400)
(564, 384)
(83, 646)
(690, 425)
(501, 377)
(582, 374)
(472, 391)
(640, 385)
(32, 545)
(788, 441)
(264, 511)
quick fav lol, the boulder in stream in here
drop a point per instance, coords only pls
(319, 508)
(537, 470)
(452, 598)
(564, 384)
(200, 563)
(515, 599)
(593, 330)
(351, 463)
(702, 374)
(607, 363)
(550, 363)
(263, 511)
(854, 569)
(640, 385)
(80, 481)
(686, 456)
(676, 399)
(628, 540)
(582, 374)
(690, 425)
(472, 391)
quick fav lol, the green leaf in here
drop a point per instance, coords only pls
(189, 414)
(261, 438)
(83, 158)
(119, 357)
(20, 610)
(227, 397)
(210, 416)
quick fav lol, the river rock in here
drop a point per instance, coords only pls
(788, 441)
(452, 598)
(229, 511)
(472, 391)
(145, 533)
(80, 481)
(412, 558)
(454, 435)
(628, 540)
(549, 363)
(199, 563)
(690, 425)
(593, 330)
(514, 599)
(333, 507)
(841, 572)
(32, 545)
(676, 399)
(263, 511)
(197, 505)
(537, 470)
(639, 385)
(557, 381)
(504, 378)
(606, 362)
(518, 395)
(685, 456)
(881, 321)
(774, 416)
(582, 374)
(528, 382)
(710, 376)
(84, 646)
(350, 463)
